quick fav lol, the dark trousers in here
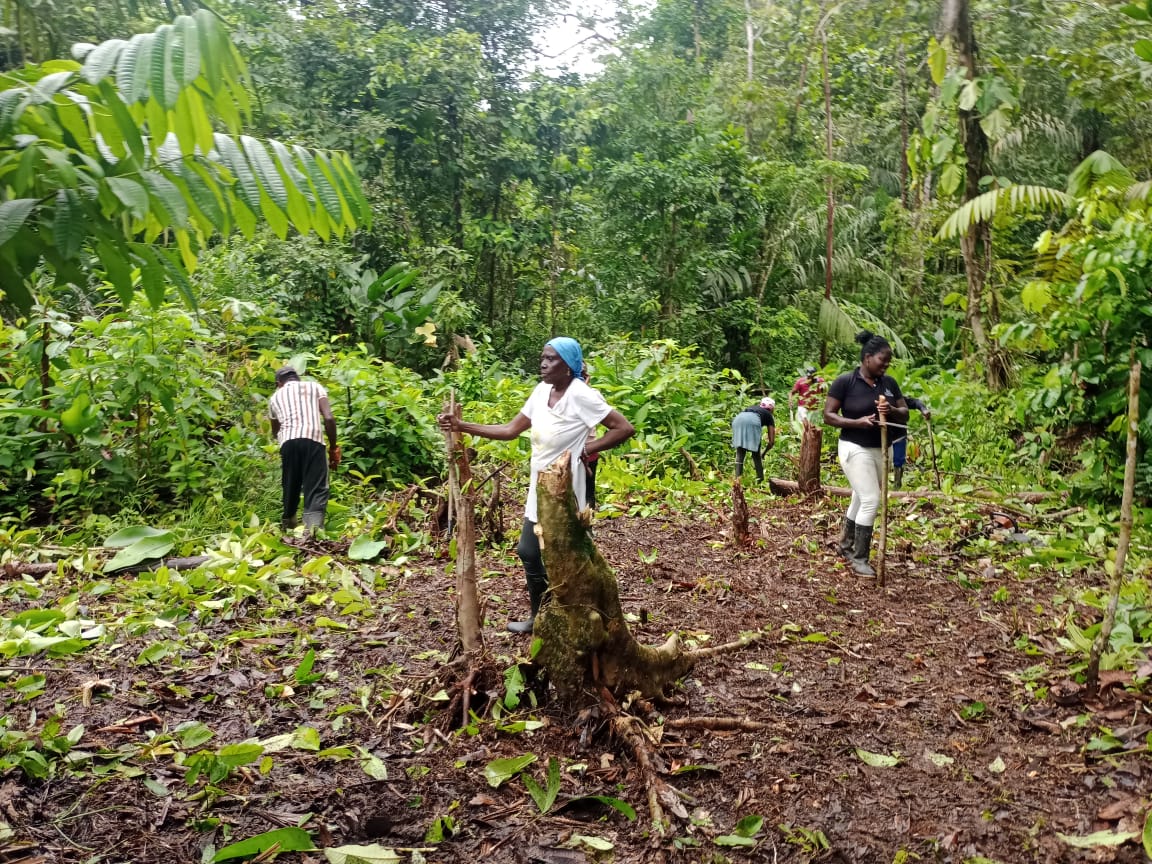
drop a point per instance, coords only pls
(304, 468)
(757, 462)
(529, 551)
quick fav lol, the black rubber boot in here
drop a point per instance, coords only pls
(899, 476)
(861, 549)
(847, 538)
(313, 522)
(535, 598)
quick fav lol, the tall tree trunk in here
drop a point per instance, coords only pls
(696, 13)
(976, 244)
(829, 184)
(750, 37)
(903, 124)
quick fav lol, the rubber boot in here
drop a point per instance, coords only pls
(847, 538)
(899, 476)
(313, 522)
(535, 597)
(861, 549)
(289, 524)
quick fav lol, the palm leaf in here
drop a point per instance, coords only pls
(840, 321)
(984, 207)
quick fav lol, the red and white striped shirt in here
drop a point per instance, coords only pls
(297, 406)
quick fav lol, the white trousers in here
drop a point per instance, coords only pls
(863, 467)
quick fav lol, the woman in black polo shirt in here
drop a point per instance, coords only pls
(853, 406)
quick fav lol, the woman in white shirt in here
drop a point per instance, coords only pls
(561, 412)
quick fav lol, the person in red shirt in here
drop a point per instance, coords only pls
(808, 392)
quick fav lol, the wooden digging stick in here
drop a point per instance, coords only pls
(882, 545)
(932, 450)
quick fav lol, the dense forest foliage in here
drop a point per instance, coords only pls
(402, 200)
(739, 189)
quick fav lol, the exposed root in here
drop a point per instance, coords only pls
(727, 648)
(718, 724)
(626, 727)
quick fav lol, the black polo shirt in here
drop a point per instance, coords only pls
(858, 399)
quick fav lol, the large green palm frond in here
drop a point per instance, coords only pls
(984, 207)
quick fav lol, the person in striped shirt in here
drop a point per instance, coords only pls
(301, 419)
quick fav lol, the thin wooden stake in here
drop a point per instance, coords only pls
(1092, 682)
(932, 450)
(882, 545)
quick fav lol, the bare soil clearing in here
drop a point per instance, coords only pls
(928, 671)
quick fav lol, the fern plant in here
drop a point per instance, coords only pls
(128, 157)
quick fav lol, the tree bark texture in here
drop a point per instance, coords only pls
(740, 531)
(463, 508)
(585, 642)
(808, 471)
(976, 244)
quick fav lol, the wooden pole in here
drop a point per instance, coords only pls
(882, 544)
(932, 450)
(461, 517)
(1092, 681)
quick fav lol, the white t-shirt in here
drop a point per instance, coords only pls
(564, 426)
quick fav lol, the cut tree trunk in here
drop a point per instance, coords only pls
(740, 531)
(462, 506)
(584, 641)
(808, 473)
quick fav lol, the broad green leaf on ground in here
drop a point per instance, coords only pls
(364, 548)
(877, 760)
(1147, 835)
(373, 765)
(498, 771)
(306, 738)
(597, 843)
(545, 796)
(938, 759)
(374, 854)
(1100, 838)
(156, 546)
(128, 536)
(235, 755)
(285, 839)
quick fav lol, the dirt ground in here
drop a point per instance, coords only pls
(990, 741)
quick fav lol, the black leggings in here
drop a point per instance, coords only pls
(757, 462)
(529, 551)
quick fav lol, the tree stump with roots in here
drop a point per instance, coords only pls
(585, 642)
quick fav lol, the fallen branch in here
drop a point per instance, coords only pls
(693, 468)
(728, 647)
(13, 569)
(129, 726)
(718, 724)
(779, 486)
(402, 507)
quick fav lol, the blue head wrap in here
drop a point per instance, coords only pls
(569, 351)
